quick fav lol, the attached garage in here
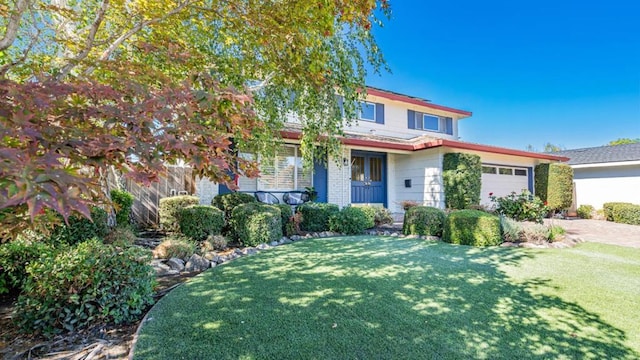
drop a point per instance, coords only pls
(501, 180)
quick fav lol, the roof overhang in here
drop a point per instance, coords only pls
(415, 101)
(606, 164)
(431, 144)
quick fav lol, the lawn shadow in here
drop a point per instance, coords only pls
(367, 297)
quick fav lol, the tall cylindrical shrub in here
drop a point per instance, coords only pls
(169, 208)
(200, 221)
(423, 220)
(462, 178)
(554, 185)
(472, 227)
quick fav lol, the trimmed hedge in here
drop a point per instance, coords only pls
(472, 227)
(554, 185)
(351, 220)
(123, 201)
(170, 207)
(256, 223)
(624, 213)
(608, 207)
(87, 284)
(15, 256)
(315, 216)
(285, 216)
(585, 211)
(227, 202)
(423, 220)
(80, 229)
(200, 221)
(462, 177)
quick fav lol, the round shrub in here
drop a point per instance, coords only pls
(315, 216)
(200, 221)
(256, 223)
(423, 220)
(227, 202)
(585, 211)
(351, 220)
(285, 215)
(15, 256)
(608, 207)
(370, 213)
(626, 214)
(87, 284)
(472, 227)
(123, 201)
(80, 228)
(170, 207)
(174, 246)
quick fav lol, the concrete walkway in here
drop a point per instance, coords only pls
(600, 231)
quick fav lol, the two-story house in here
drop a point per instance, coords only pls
(393, 152)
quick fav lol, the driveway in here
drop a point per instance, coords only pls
(600, 231)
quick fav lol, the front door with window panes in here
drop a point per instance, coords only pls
(368, 185)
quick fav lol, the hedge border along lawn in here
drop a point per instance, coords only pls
(380, 297)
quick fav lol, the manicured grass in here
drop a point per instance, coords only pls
(390, 298)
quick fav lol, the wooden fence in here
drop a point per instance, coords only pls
(179, 181)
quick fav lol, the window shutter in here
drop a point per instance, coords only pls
(411, 119)
(379, 113)
(449, 127)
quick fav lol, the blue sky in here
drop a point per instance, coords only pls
(565, 72)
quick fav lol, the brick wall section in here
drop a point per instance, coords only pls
(339, 191)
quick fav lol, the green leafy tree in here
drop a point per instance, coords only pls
(549, 147)
(93, 86)
(622, 141)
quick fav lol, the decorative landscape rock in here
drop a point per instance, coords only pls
(162, 269)
(197, 263)
(175, 264)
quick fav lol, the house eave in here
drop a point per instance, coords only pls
(606, 164)
(424, 145)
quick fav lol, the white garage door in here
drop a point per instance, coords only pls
(502, 180)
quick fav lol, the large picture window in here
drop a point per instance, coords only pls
(285, 172)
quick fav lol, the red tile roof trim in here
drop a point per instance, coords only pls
(436, 143)
(415, 101)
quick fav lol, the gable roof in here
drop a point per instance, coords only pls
(602, 154)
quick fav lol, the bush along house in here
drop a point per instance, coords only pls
(396, 151)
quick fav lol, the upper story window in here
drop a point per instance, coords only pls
(367, 111)
(429, 122)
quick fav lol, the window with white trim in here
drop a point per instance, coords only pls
(285, 172)
(367, 111)
(430, 122)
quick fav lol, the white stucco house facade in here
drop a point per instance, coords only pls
(605, 174)
(393, 152)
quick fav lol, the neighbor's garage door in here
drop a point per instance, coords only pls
(502, 180)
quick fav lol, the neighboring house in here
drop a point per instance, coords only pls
(605, 174)
(393, 153)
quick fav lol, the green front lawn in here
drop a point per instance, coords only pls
(389, 298)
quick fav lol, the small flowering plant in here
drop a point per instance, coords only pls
(521, 207)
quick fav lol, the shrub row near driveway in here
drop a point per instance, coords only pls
(624, 213)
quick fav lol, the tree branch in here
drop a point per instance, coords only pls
(88, 46)
(13, 25)
(139, 26)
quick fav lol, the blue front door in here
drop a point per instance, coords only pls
(368, 178)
